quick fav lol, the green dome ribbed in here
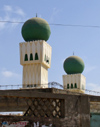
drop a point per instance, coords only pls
(36, 29)
(73, 65)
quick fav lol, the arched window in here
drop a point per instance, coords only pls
(26, 57)
(67, 86)
(36, 56)
(75, 85)
(48, 61)
(34, 85)
(31, 56)
(31, 85)
(28, 85)
(72, 86)
(45, 58)
(83, 87)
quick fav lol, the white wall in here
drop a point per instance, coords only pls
(79, 79)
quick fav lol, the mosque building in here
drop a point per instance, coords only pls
(35, 57)
(74, 80)
(35, 53)
(59, 108)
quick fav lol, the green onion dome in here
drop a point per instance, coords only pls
(36, 29)
(73, 65)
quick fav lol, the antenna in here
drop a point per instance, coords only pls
(73, 53)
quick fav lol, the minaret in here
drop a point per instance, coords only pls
(74, 81)
(35, 53)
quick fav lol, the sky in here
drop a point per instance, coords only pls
(64, 40)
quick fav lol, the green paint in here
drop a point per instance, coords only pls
(95, 120)
(73, 65)
(36, 29)
(75, 85)
(83, 87)
(31, 56)
(67, 86)
(45, 58)
(72, 86)
(48, 60)
(26, 57)
(36, 56)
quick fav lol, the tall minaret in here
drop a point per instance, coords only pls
(74, 81)
(35, 53)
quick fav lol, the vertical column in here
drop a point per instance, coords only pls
(77, 111)
(84, 111)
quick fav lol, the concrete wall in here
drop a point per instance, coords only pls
(75, 109)
(95, 107)
(73, 79)
(35, 71)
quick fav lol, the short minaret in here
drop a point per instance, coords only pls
(74, 81)
(35, 53)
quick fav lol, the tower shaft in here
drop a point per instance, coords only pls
(35, 57)
(74, 82)
(35, 75)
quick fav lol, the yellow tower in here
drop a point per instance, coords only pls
(35, 53)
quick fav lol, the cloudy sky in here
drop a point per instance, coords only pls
(75, 35)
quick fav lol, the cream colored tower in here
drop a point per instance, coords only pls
(35, 57)
(35, 53)
(74, 81)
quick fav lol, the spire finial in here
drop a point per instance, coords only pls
(73, 53)
(36, 14)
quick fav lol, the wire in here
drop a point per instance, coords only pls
(10, 22)
(69, 25)
(75, 25)
(51, 85)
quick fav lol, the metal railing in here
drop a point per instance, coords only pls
(20, 86)
(50, 85)
(10, 87)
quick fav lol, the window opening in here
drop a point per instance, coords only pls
(36, 56)
(34, 85)
(31, 85)
(67, 86)
(72, 86)
(83, 87)
(31, 56)
(28, 85)
(75, 85)
(26, 57)
(45, 58)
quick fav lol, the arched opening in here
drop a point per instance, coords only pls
(28, 85)
(31, 85)
(26, 57)
(45, 58)
(75, 85)
(34, 85)
(36, 56)
(67, 86)
(72, 86)
(31, 56)
(83, 87)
